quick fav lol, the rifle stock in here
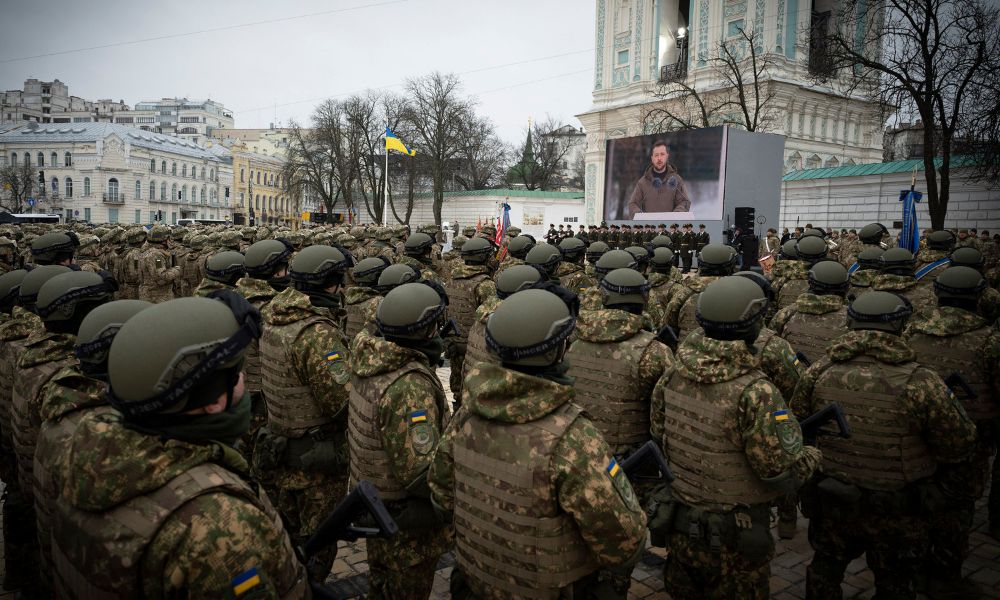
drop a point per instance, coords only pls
(363, 499)
(960, 387)
(811, 427)
(648, 451)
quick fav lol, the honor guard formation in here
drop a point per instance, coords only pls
(203, 412)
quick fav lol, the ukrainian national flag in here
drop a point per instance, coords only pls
(393, 143)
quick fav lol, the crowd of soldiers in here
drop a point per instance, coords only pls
(182, 408)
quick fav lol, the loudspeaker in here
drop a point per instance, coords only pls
(745, 216)
(748, 251)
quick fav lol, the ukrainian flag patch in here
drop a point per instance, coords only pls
(334, 356)
(613, 468)
(418, 416)
(781, 415)
(245, 582)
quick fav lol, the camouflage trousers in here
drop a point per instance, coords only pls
(305, 500)
(456, 360)
(894, 547)
(404, 566)
(693, 571)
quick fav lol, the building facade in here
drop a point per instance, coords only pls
(572, 143)
(259, 193)
(642, 45)
(110, 173)
(51, 102)
(270, 142)
(194, 120)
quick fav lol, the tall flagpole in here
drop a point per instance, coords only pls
(385, 192)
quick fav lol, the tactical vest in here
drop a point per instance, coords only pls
(883, 453)
(252, 373)
(369, 460)
(960, 353)
(356, 316)
(9, 353)
(99, 555)
(25, 419)
(608, 387)
(291, 409)
(712, 471)
(462, 303)
(791, 290)
(688, 320)
(811, 334)
(532, 552)
(476, 349)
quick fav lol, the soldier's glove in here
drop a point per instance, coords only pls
(660, 510)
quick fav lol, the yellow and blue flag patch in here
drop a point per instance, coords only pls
(613, 467)
(781, 415)
(245, 582)
(418, 416)
(334, 356)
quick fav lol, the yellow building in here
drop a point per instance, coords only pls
(259, 194)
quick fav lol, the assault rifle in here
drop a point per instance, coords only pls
(648, 451)
(811, 427)
(960, 387)
(668, 337)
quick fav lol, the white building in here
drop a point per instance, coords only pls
(195, 120)
(51, 102)
(643, 42)
(574, 142)
(110, 173)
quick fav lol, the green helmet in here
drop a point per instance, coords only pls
(624, 287)
(787, 251)
(883, 311)
(513, 231)
(225, 267)
(198, 241)
(64, 300)
(530, 329)
(662, 260)
(248, 234)
(829, 278)
(573, 249)
(517, 278)
(941, 240)
(641, 256)
(459, 240)
(469, 231)
(731, 308)
(10, 287)
(418, 244)
(265, 257)
(347, 240)
(968, 257)
(33, 282)
(872, 233)
(367, 272)
(717, 259)
(197, 357)
(158, 234)
(230, 239)
(477, 251)
(897, 261)
(595, 251)
(323, 237)
(54, 247)
(813, 231)
(615, 259)
(412, 311)
(520, 246)
(358, 232)
(762, 282)
(135, 236)
(263, 233)
(810, 248)
(98, 329)
(396, 275)
(960, 283)
(383, 234)
(320, 266)
(869, 258)
(545, 257)
(430, 229)
(662, 241)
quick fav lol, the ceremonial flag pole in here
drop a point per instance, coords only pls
(391, 143)
(910, 236)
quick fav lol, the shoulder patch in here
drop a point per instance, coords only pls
(423, 437)
(418, 416)
(245, 582)
(621, 484)
(334, 356)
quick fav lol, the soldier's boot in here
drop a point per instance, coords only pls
(824, 576)
(788, 517)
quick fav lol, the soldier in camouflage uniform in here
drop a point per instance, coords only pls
(193, 265)
(8, 255)
(948, 339)
(129, 274)
(157, 271)
(989, 300)
(521, 463)
(361, 299)
(88, 254)
(717, 260)
(222, 271)
(935, 257)
(397, 412)
(594, 253)
(864, 271)
(871, 236)
(665, 282)
(545, 258)
(570, 271)
(733, 446)
(161, 478)
(896, 275)
(305, 374)
(875, 491)
(517, 251)
(819, 315)
(469, 286)
(417, 254)
(380, 246)
(809, 250)
(591, 298)
(54, 248)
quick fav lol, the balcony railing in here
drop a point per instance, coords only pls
(113, 198)
(674, 72)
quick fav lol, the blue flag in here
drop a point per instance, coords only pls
(910, 237)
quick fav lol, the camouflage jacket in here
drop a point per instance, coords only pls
(613, 529)
(947, 321)
(785, 271)
(609, 325)
(207, 286)
(692, 285)
(426, 270)
(920, 296)
(573, 277)
(485, 289)
(256, 291)
(808, 303)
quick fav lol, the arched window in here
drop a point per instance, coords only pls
(194, 172)
(86, 186)
(242, 179)
(54, 159)
(138, 189)
(152, 165)
(173, 193)
(184, 194)
(211, 175)
(152, 190)
(41, 160)
(69, 187)
(173, 168)
(67, 160)
(112, 189)
(203, 195)
(27, 159)
(258, 176)
(163, 167)
(13, 159)
(163, 192)
(257, 202)
(184, 170)
(55, 185)
(203, 173)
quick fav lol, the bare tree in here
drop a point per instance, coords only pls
(745, 98)
(483, 157)
(309, 167)
(542, 157)
(17, 183)
(928, 58)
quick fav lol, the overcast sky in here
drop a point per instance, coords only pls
(280, 68)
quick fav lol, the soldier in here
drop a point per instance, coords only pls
(570, 271)
(675, 242)
(222, 271)
(733, 445)
(864, 271)
(521, 463)
(717, 260)
(54, 248)
(397, 412)
(517, 251)
(157, 271)
(950, 339)
(625, 237)
(809, 249)
(545, 258)
(168, 449)
(875, 490)
(819, 315)
(701, 239)
(936, 257)
(362, 299)
(590, 299)
(664, 282)
(381, 245)
(192, 265)
(552, 236)
(896, 270)
(304, 364)
(8, 255)
(470, 285)
(129, 274)
(594, 253)
(989, 300)
(614, 236)
(418, 255)
(871, 236)
(88, 253)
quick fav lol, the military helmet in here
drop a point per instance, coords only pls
(135, 236)
(959, 282)
(662, 260)
(489, 230)
(662, 241)
(595, 251)
(459, 240)
(572, 248)
(247, 233)
(968, 257)
(731, 307)
(357, 232)
(400, 231)
(762, 282)
(366, 272)
(33, 281)
(99, 328)
(469, 231)
(897, 261)
(810, 248)
(320, 265)
(230, 239)
(54, 247)
(717, 259)
(383, 234)
(787, 251)
(226, 267)
(323, 237)
(517, 278)
(519, 246)
(869, 258)
(813, 231)
(641, 255)
(265, 257)
(872, 233)
(829, 278)
(513, 231)
(346, 240)
(88, 242)
(624, 287)
(6, 242)
(197, 357)
(545, 257)
(883, 311)
(263, 233)
(418, 244)
(430, 229)
(941, 240)
(615, 259)
(477, 251)
(530, 329)
(64, 300)
(10, 287)
(198, 241)
(412, 311)
(396, 275)
(158, 234)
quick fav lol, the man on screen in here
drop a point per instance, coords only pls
(661, 188)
